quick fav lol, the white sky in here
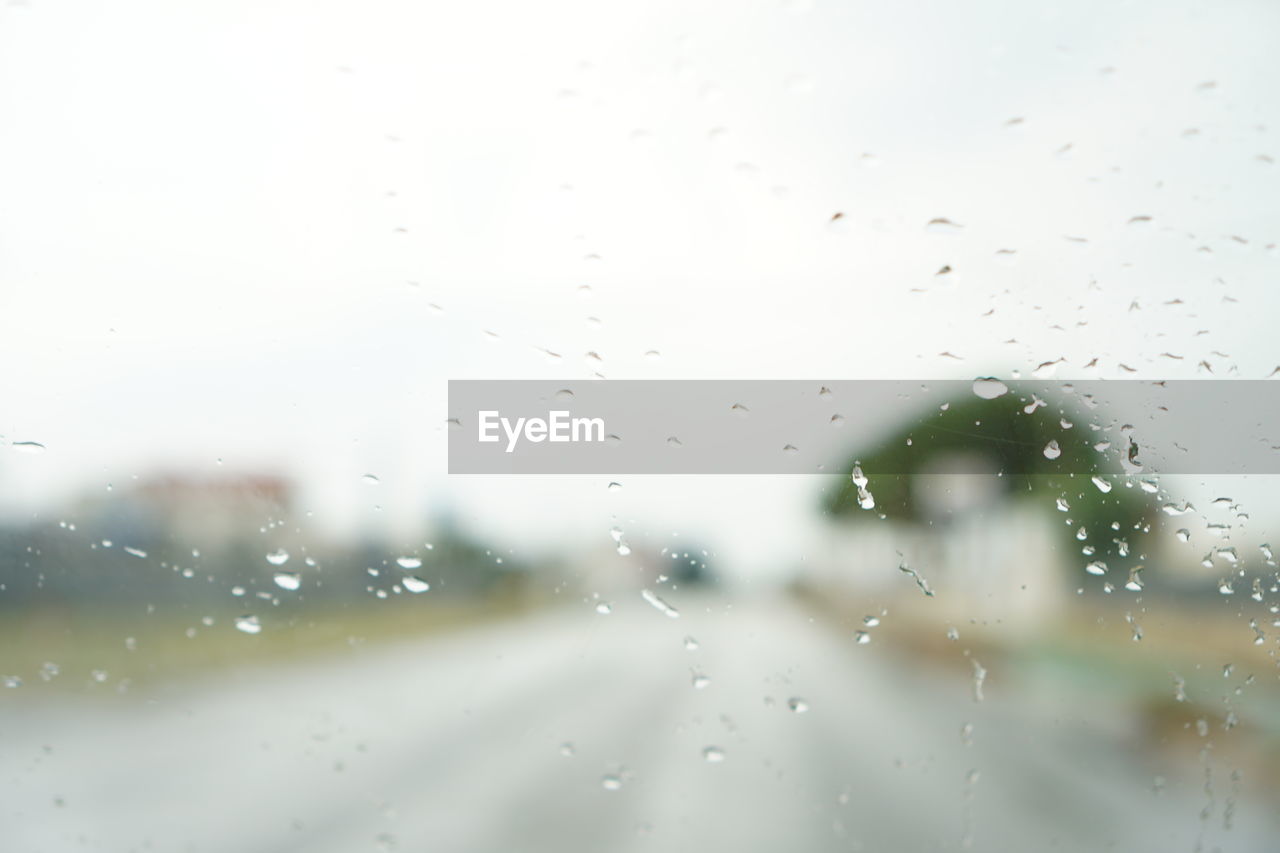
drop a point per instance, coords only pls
(201, 254)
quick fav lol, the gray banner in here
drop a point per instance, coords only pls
(609, 427)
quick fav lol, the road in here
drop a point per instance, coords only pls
(507, 738)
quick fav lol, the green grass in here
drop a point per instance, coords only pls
(137, 648)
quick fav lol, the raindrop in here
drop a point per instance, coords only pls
(919, 579)
(611, 782)
(278, 557)
(662, 606)
(798, 705)
(32, 447)
(690, 644)
(248, 624)
(288, 580)
(862, 638)
(713, 755)
(409, 562)
(942, 225)
(988, 388)
(979, 679)
(604, 608)
(1052, 450)
(1097, 567)
(415, 584)
(1103, 485)
(700, 681)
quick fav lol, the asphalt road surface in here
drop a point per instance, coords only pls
(574, 731)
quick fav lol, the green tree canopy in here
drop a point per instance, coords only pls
(1009, 435)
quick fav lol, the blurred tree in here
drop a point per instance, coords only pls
(1044, 452)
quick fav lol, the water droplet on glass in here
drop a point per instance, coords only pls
(1097, 567)
(278, 557)
(409, 562)
(288, 580)
(979, 679)
(690, 644)
(942, 225)
(1134, 584)
(611, 783)
(660, 605)
(1052, 450)
(713, 755)
(919, 579)
(415, 584)
(370, 480)
(248, 624)
(862, 638)
(700, 681)
(32, 447)
(798, 705)
(988, 388)
(1103, 485)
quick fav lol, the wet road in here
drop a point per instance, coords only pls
(503, 738)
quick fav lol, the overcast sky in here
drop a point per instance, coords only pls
(268, 233)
